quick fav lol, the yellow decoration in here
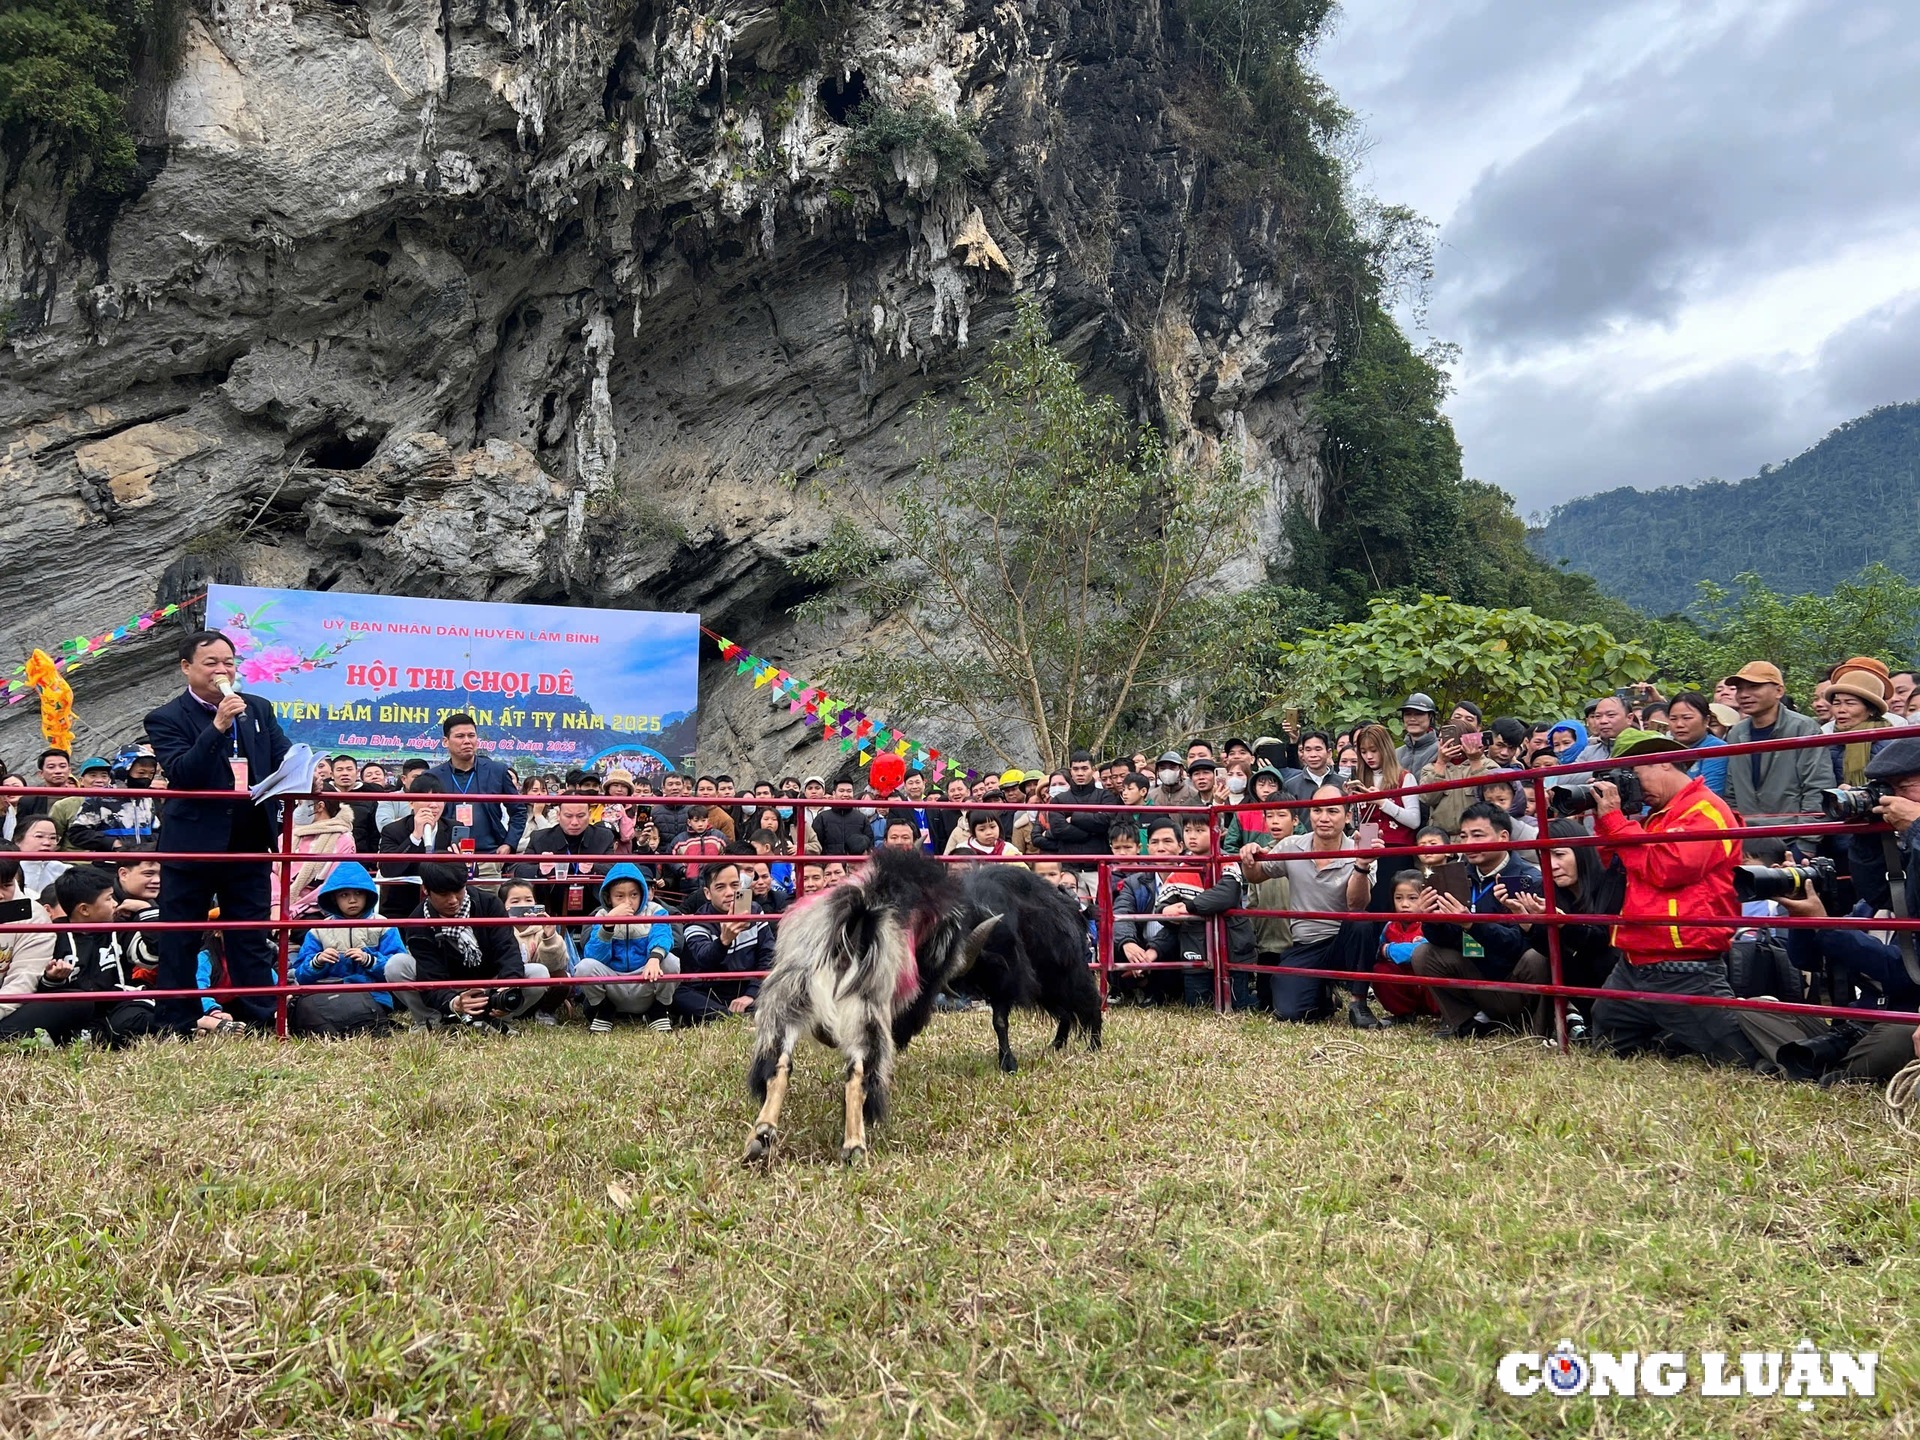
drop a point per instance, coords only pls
(56, 700)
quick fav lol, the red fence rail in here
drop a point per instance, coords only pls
(1213, 862)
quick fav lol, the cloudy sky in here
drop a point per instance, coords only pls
(1679, 238)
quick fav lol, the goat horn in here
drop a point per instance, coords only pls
(976, 942)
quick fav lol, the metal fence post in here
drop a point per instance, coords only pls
(284, 884)
(1545, 856)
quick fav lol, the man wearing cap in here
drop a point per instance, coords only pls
(1202, 772)
(1417, 718)
(1773, 787)
(94, 774)
(1170, 782)
(1670, 885)
(102, 823)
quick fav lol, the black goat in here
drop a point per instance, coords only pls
(1035, 958)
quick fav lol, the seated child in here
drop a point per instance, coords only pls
(354, 950)
(629, 941)
(1401, 938)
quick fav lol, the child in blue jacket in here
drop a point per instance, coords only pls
(352, 950)
(629, 940)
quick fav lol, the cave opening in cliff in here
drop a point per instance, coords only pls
(841, 97)
(340, 452)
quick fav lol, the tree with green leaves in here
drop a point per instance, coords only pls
(65, 68)
(1875, 613)
(1049, 570)
(1510, 662)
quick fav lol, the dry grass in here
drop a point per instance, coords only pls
(1215, 1227)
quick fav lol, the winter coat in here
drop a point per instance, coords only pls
(703, 952)
(625, 944)
(319, 837)
(1078, 832)
(439, 957)
(843, 832)
(1667, 882)
(24, 956)
(494, 824)
(1790, 780)
(365, 942)
(1416, 755)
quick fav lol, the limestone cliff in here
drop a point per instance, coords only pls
(561, 300)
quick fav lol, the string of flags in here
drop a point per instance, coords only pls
(840, 721)
(69, 654)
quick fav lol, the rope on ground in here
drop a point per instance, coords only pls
(1903, 1100)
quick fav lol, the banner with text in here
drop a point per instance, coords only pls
(550, 688)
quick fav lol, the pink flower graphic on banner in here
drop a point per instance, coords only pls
(235, 629)
(269, 665)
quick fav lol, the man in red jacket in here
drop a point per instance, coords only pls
(1667, 882)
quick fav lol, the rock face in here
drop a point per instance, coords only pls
(561, 300)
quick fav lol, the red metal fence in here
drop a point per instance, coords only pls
(1219, 959)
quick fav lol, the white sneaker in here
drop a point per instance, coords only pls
(545, 1017)
(661, 1024)
(600, 1025)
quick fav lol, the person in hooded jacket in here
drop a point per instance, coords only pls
(351, 946)
(631, 938)
(1576, 734)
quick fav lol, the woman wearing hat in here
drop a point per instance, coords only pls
(1857, 699)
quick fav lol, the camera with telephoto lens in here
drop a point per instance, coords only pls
(1853, 804)
(1781, 882)
(1565, 800)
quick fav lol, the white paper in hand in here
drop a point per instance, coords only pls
(294, 777)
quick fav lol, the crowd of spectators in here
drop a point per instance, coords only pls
(616, 884)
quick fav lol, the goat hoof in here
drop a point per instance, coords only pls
(1008, 1063)
(760, 1146)
(853, 1156)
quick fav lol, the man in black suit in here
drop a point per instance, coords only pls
(412, 839)
(207, 740)
(558, 860)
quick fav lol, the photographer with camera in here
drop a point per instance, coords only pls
(453, 949)
(1891, 794)
(1668, 884)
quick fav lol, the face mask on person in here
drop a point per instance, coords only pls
(1056, 791)
(867, 810)
(1236, 784)
(785, 812)
(1168, 775)
(1345, 772)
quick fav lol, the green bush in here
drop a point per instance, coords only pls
(65, 69)
(879, 130)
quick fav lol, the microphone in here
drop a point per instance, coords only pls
(227, 692)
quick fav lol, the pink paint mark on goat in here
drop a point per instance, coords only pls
(908, 985)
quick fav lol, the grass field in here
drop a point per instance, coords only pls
(1213, 1227)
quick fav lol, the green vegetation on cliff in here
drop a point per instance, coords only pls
(1399, 517)
(66, 67)
(1851, 500)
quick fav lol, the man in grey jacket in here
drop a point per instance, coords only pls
(1777, 787)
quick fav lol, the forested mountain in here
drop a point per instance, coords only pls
(1852, 499)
